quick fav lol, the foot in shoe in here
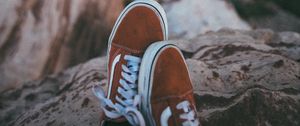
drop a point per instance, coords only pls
(166, 89)
(140, 24)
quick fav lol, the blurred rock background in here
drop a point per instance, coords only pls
(40, 37)
(279, 15)
(40, 40)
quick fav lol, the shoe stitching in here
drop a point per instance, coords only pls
(127, 49)
(172, 96)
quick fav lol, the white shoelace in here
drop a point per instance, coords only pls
(188, 114)
(126, 105)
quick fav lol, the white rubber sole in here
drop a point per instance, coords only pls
(156, 7)
(146, 77)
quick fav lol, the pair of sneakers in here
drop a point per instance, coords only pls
(148, 81)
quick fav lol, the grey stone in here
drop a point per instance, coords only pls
(236, 82)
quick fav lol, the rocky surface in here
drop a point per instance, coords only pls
(61, 99)
(40, 37)
(244, 78)
(189, 18)
(240, 78)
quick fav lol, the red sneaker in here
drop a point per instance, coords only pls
(166, 89)
(140, 24)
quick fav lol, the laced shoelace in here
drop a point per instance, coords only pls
(126, 105)
(188, 115)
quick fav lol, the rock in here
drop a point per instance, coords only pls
(239, 78)
(62, 99)
(39, 37)
(286, 44)
(189, 18)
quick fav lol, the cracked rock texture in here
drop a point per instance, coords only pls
(240, 78)
(40, 37)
